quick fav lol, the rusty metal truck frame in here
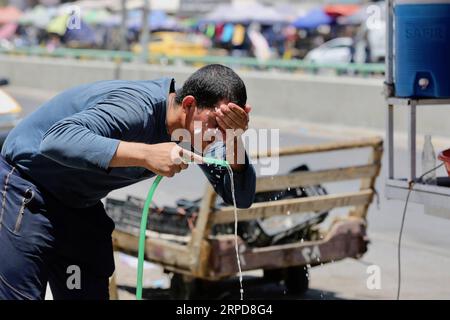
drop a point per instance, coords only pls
(202, 255)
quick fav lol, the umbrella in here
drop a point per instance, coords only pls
(9, 14)
(96, 17)
(157, 20)
(245, 13)
(39, 16)
(291, 12)
(363, 14)
(313, 19)
(8, 30)
(336, 10)
(97, 4)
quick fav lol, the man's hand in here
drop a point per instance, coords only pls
(233, 117)
(165, 159)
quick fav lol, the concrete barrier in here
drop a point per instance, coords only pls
(349, 101)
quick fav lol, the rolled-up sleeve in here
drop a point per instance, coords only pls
(244, 181)
(89, 139)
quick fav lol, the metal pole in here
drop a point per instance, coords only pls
(389, 77)
(123, 27)
(390, 139)
(145, 32)
(412, 140)
(389, 90)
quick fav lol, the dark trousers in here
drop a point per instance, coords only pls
(42, 240)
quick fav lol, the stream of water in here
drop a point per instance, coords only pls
(230, 172)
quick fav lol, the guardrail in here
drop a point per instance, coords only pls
(242, 62)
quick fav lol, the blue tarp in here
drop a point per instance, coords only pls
(313, 19)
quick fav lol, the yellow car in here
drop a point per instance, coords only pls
(176, 44)
(9, 113)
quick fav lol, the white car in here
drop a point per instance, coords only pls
(337, 50)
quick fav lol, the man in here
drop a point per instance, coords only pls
(61, 160)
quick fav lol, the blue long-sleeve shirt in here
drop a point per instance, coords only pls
(66, 145)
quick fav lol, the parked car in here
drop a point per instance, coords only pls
(10, 111)
(176, 44)
(338, 50)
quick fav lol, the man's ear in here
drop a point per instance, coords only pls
(188, 104)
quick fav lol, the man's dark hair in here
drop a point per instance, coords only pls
(211, 84)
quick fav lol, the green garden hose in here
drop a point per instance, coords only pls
(143, 228)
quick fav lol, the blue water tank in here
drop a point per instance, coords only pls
(422, 48)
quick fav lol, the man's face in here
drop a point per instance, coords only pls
(203, 128)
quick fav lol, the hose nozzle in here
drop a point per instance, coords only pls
(199, 159)
(217, 162)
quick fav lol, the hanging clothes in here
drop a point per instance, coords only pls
(227, 33)
(239, 35)
(219, 31)
(210, 30)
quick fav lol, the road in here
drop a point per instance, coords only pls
(426, 240)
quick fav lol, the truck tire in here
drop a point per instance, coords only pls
(297, 280)
(184, 288)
